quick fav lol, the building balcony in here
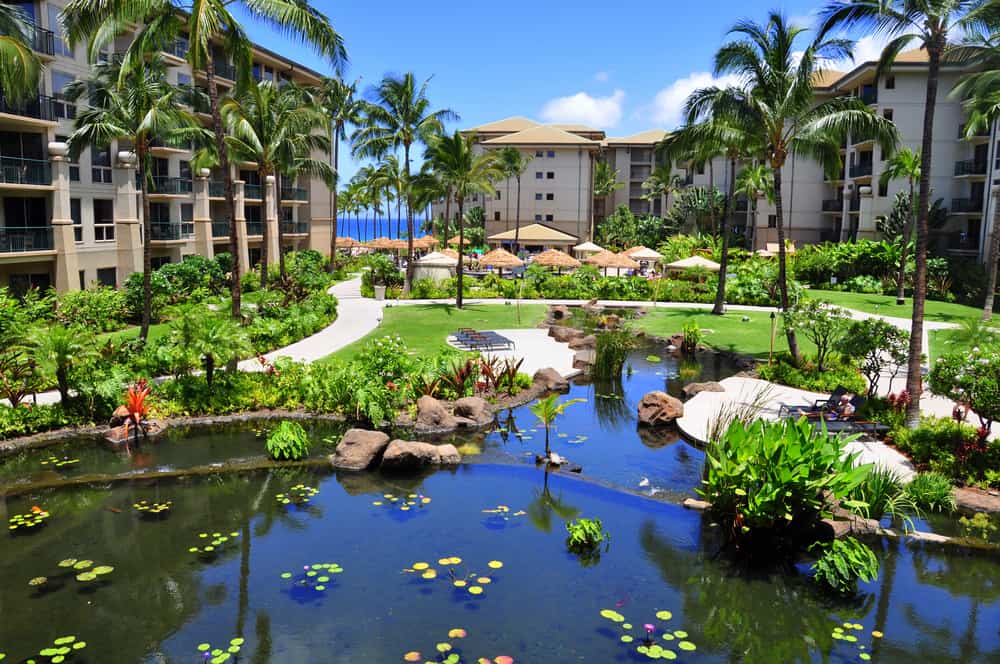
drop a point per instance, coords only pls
(255, 228)
(295, 227)
(251, 192)
(960, 242)
(162, 185)
(833, 205)
(170, 232)
(42, 41)
(742, 206)
(177, 49)
(37, 107)
(19, 240)
(970, 167)
(861, 170)
(966, 205)
(220, 229)
(32, 172)
(294, 195)
(982, 134)
(225, 70)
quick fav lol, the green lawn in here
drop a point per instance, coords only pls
(156, 332)
(424, 328)
(885, 305)
(730, 332)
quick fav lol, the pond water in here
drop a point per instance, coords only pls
(161, 601)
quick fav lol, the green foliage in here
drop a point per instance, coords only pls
(25, 420)
(819, 322)
(382, 272)
(809, 377)
(613, 347)
(948, 447)
(60, 351)
(767, 478)
(288, 442)
(971, 378)
(932, 492)
(842, 562)
(99, 308)
(878, 346)
(978, 526)
(547, 410)
(882, 493)
(585, 537)
(816, 264)
(755, 282)
(693, 336)
(864, 283)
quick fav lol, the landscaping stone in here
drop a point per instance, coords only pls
(588, 342)
(976, 500)
(658, 408)
(695, 504)
(119, 416)
(431, 413)
(474, 410)
(584, 359)
(359, 449)
(410, 455)
(564, 334)
(692, 389)
(551, 380)
(592, 306)
(610, 322)
(559, 312)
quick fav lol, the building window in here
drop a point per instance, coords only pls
(538, 175)
(551, 154)
(550, 175)
(549, 217)
(186, 173)
(83, 279)
(498, 194)
(890, 82)
(100, 165)
(107, 276)
(74, 164)
(883, 189)
(701, 169)
(538, 217)
(772, 221)
(156, 262)
(77, 217)
(159, 213)
(187, 219)
(496, 215)
(61, 45)
(887, 114)
(60, 107)
(539, 153)
(183, 79)
(550, 197)
(538, 197)
(104, 222)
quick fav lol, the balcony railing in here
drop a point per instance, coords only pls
(251, 191)
(295, 227)
(961, 241)
(169, 186)
(861, 170)
(14, 170)
(171, 231)
(178, 49)
(216, 189)
(36, 107)
(833, 205)
(982, 132)
(42, 40)
(15, 240)
(255, 228)
(970, 167)
(294, 194)
(959, 205)
(220, 229)
(225, 70)
(742, 205)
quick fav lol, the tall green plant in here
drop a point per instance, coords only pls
(58, 350)
(613, 347)
(903, 164)
(547, 410)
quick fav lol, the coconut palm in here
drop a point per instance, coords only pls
(661, 183)
(400, 117)
(547, 410)
(58, 350)
(514, 163)
(427, 188)
(776, 102)
(928, 24)
(338, 100)
(903, 164)
(271, 126)
(605, 183)
(20, 68)
(370, 183)
(209, 25)
(753, 181)
(140, 107)
(463, 173)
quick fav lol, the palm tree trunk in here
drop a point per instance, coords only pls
(991, 267)
(333, 200)
(907, 232)
(409, 226)
(517, 221)
(398, 213)
(266, 232)
(147, 263)
(62, 382)
(720, 291)
(711, 197)
(227, 179)
(281, 232)
(447, 217)
(793, 344)
(507, 212)
(548, 450)
(388, 215)
(461, 252)
(914, 379)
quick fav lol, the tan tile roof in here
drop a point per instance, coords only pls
(826, 78)
(541, 135)
(534, 233)
(576, 127)
(648, 137)
(506, 125)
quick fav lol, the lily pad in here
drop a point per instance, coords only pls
(664, 615)
(613, 616)
(653, 359)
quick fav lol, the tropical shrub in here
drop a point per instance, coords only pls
(808, 377)
(288, 442)
(971, 379)
(755, 282)
(879, 494)
(842, 562)
(878, 346)
(382, 272)
(692, 336)
(99, 308)
(864, 283)
(820, 322)
(25, 420)
(585, 537)
(952, 448)
(932, 492)
(978, 526)
(613, 347)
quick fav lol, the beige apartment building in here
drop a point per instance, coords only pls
(69, 224)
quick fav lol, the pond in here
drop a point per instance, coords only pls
(341, 578)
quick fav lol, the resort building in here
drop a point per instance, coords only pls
(68, 223)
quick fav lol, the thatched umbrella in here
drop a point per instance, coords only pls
(632, 250)
(454, 241)
(693, 262)
(451, 253)
(500, 258)
(557, 259)
(606, 259)
(347, 242)
(398, 245)
(425, 242)
(644, 254)
(379, 244)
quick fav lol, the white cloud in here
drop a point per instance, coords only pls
(602, 76)
(602, 112)
(668, 105)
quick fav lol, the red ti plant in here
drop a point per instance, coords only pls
(135, 403)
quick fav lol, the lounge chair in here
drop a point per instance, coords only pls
(475, 340)
(851, 425)
(818, 407)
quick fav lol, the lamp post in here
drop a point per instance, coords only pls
(770, 355)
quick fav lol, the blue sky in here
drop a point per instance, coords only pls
(623, 67)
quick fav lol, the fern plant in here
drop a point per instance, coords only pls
(692, 336)
(585, 539)
(288, 442)
(842, 562)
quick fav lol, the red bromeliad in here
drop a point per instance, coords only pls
(135, 402)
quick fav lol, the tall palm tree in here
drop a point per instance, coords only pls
(58, 349)
(208, 25)
(20, 68)
(928, 24)
(394, 177)
(137, 106)
(342, 108)
(753, 181)
(508, 156)
(514, 163)
(427, 188)
(371, 184)
(273, 127)
(464, 173)
(400, 117)
(776, 101)
(605, 183)
(904, 164)
(660, 184)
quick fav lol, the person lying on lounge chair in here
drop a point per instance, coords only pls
(843, 410)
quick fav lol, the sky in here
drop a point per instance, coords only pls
(623, 67)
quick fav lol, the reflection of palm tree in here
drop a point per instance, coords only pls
(262, 655)
(609, 402)
(541, 509)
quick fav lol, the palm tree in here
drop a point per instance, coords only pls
(428, 187)
(660, 184)
(400, 117)
(753, 181)
(218, 340)
(903, 164)
(463, 173)
(776, 102)
(514, 163)
(370, 181)
(929, 24)
(58, 349)
(605, 183)
(508, 156)
(273, 127)
(138, 106)
(547, 410)
(20, 68)
(342, 108)
(207, 24)
(299, 162)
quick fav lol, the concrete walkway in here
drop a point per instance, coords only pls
(537, 349)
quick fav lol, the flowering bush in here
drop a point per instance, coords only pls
(971, 379)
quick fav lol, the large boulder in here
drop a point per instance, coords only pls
(588, 342)
(119, 416)
(473, 410)
(559, 312)
(584, 359)
(551, 380)
(657, 408)
(411, 455)
(692, 389)
(431, 414)
(359, 449)
(564, 334)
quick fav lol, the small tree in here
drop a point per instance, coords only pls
(971, 379)
(547, 410)
(59, 350)
(879, 346)
(820, 322)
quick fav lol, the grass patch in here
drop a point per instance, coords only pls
(156, 332)
(885, 305)
(729, 333)
(424, 328)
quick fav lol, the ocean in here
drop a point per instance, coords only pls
(367, 228)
